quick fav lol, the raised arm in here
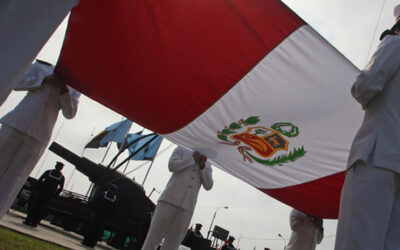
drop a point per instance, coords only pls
(33, 76)
(180, 159)
(383, 65)
(69, 101)
(206, 177)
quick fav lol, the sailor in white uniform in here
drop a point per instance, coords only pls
(176, 204)
(369, 217)
(26, 130)
(25, 26)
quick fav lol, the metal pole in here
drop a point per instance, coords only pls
(154, 189)
(212, 221)
(148, 170)
(284, 241)
(83, 151)
(126, 167)
(105, 154)
(237, 245)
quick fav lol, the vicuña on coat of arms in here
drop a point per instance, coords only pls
(261, 141)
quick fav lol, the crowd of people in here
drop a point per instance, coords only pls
(370, 197)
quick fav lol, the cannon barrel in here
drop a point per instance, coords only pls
(130, 193)
(96, 172)
(99, 174)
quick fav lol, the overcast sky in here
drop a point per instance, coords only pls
(252, 217)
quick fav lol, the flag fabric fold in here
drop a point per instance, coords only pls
(128, 139)
(149, 151)
(115, 132)
(248, 83)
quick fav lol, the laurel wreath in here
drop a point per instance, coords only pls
(293, 132)
(282, 159)
(231, 129)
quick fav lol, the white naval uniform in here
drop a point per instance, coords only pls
(25, 26)
(369, 216)
(305, 235)
(27, 129)
(177, 202)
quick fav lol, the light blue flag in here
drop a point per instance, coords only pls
(116, 132)
(148, 152)
(130, 138)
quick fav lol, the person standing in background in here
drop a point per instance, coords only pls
(307, 231)
(176, 204)
(51, 183)
(102, 208)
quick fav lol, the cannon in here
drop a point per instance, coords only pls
(133, 205)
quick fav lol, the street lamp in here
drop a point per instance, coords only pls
(284, 241)
(212, 221)
(154, 189)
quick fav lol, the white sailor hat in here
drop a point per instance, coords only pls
(396, 12)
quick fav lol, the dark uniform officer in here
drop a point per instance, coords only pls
(229, 244)
(194, 239)
(102, 208)
(50, 183)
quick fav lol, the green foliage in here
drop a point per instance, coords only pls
(227, 131)
(251, 120)
(222, 137)
(235, 125)
(17, 241)
(293, 132)
(282, 159)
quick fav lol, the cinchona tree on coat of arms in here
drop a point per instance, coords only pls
(259, 143)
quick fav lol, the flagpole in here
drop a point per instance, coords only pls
(140, 166)
(104, 157)
(147, 173)
(83, 151)
(105, 154)
(126, 166)
(127, 163)
(137, 151)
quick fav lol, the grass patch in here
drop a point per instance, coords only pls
(10, 240)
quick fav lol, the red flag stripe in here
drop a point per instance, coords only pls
(186, 61)
(319, 198)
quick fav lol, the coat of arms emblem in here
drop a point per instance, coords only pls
(259, 143)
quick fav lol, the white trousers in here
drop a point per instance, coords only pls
(19, 154)
(369, 216)
(168, 221)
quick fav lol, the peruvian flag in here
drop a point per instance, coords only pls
(248, 83)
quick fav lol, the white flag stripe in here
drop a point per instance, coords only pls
(304, 81)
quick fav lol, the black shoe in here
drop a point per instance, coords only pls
(88, 244)
(31, 224)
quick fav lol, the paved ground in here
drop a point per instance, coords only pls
(46, 231)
